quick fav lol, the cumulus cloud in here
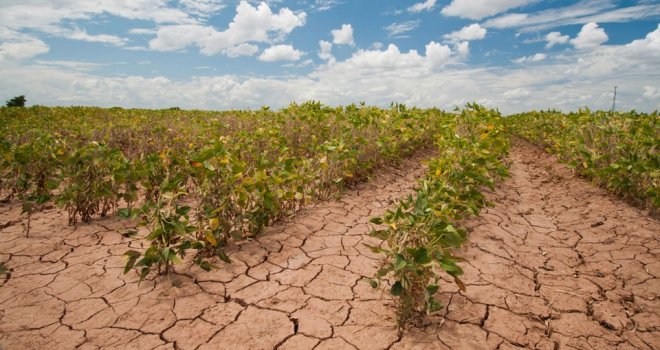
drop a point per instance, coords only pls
(436, 55)
(651, 92)
(533, 58)
(398, 29)
(325, 52)
(280, 53)
(422, 6)
(343, 35)
(243, 49)
(467, 33)
(478, 9)
(434, 77)
(555, 38)
(589, 37)
(463, 48)
(250, 24)
(23, 49)
(18, 46)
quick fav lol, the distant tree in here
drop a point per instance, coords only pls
(18, 101)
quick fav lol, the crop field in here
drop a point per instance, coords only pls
(316, 227)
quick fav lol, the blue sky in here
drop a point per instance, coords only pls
(515, 55)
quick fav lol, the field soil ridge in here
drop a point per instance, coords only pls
(556, 263)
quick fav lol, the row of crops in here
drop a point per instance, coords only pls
(423, 230)
(619, 151)
(201, 180)
(198, 180)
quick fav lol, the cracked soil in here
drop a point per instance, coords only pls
(556, 264)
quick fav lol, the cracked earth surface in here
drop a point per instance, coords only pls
(555, 264)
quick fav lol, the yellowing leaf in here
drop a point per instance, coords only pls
(214, 223)
(211, 238)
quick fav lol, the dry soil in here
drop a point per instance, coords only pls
(555, 264)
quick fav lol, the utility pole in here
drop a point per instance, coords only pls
(614, 100)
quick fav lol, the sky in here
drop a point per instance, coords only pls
(514, 55)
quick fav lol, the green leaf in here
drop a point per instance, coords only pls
(131, 258)
(433, 306)
(399, 262)
(431, 289)
(397, 289)
(374, 249)
(223, 256)
(374, 283)
(420, 255)
(376, 220)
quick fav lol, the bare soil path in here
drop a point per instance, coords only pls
(556, 264)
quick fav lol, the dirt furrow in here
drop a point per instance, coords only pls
(298, 286)
(555, 264)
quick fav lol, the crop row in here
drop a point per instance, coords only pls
(423, 231)
(619, 151)
(198, 180)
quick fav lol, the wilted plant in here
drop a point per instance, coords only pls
(421, 232)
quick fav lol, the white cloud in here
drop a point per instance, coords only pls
(48, 16)
(651, 93)
(343, 36)
(582, 12)
(463, 48)
(467, 33)
(243, 49)
(437, 54)
(82, 66)
(142, 31)
(305, 63)
(647, 49)
(533, 58)
(250, 24)
(325, 52)
(82, 35)
(325, 5)
(555, 38)
(280, 53)
(422, 6)
(516, 93)
(478, 9)
(23, 48)
(177, 37)
(202, 8)
(378, 77)
(589, 37)
(397, 29)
